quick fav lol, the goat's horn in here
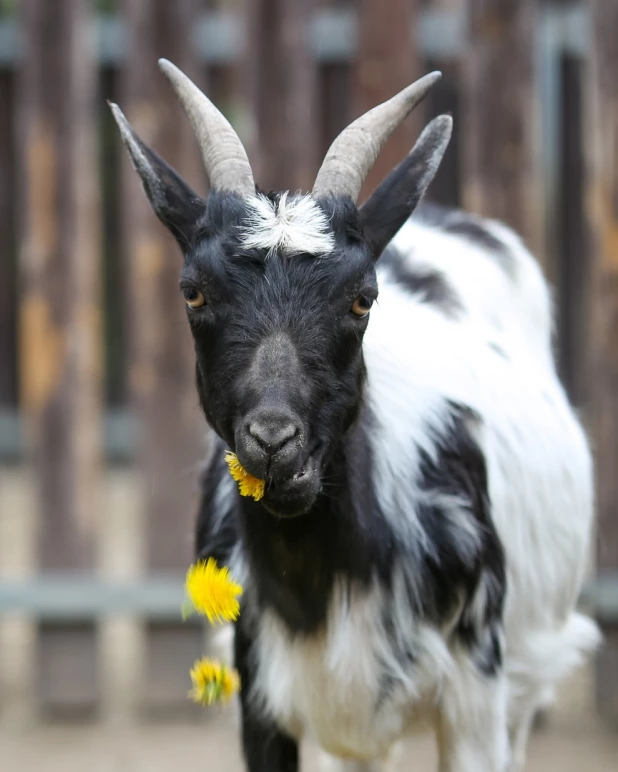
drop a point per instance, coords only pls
(223, 154)
(355, 150)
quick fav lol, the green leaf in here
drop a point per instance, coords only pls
(213, 690)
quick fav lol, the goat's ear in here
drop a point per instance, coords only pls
(174, 202)
(390, 205)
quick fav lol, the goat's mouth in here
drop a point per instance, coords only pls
(295, 495)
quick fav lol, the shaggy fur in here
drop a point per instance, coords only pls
(468, 475)
(418, 554)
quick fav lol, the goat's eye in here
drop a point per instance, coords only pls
(193, 297)
(361, 306)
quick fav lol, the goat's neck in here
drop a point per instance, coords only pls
(294, 562)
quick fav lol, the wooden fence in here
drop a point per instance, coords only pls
(95, 357)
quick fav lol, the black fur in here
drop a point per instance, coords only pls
(217, 531)
(304, 304)
(475, 231)
(294, 561)
(453, 568)
(427, 284)
(266, 748)
(469, 227)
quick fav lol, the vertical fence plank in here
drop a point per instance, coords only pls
(387, 61)
(60, 343)
(280, 73)
(161, 377)
(500, 154)
(445, 98)
(573, 277)
(8, 263)
(602, 207)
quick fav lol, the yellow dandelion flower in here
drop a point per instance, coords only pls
(248, 485)
(213, 682)
(211, 591)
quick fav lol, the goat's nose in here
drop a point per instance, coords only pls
(273, 432)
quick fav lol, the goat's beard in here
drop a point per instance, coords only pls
(295, 495)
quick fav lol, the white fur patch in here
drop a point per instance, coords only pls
(292, 226)
(327, 686)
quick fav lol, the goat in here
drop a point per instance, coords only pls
(418, 553)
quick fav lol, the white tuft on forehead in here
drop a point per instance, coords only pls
(290, 225)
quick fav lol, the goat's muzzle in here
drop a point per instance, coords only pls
(270, 445)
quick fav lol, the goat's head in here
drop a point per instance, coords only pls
(279, 287)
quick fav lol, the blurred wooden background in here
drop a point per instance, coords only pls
(100, 431)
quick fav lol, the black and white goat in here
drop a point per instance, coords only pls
(418, 554)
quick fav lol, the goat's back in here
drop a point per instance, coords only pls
(496, 280)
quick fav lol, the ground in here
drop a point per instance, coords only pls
(572, 739)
